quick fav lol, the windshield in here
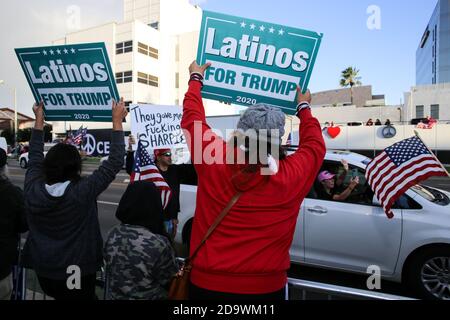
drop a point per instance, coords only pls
(431, 195)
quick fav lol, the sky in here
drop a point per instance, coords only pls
(384, 53)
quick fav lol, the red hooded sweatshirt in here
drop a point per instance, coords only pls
(248, 253)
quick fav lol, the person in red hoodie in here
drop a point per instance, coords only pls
(247, 256)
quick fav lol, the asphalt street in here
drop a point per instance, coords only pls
(108, 202)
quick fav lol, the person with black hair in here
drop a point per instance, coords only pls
(12, 223)
(140, 259)
(62, 211)
(173, 174)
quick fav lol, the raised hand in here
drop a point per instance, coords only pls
(344, 164)
(38, 110)
(195, 68)
(119, 112)
(306, 97)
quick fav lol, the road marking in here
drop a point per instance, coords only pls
(108, 203)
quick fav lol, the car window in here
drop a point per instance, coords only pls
(362, 194)
(431, 195)
(405, 202)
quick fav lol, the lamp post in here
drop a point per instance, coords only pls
(15, 112)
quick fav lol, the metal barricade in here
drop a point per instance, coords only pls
(296, 289)
(333, 292)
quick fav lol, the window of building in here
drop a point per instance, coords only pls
(124, 47)
(147, 50)
(154, 25)
(177, 80)
(123, 77)
(434, 111)
(148, 79)
(177, 52)
(419, 111)
(424, 38)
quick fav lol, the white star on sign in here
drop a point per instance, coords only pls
(243, 24)
(44, 52)
(72, 50)
(52, 52)
(58, 51)
(66, 51)
(271, 30)
(262, 28)
(252, 26)
(281, 32)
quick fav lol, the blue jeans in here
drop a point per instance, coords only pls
(169, 227)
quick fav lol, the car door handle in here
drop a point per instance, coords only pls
(318, 210)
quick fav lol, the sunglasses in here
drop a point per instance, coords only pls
(167, 154)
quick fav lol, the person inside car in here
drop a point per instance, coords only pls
(327, 187)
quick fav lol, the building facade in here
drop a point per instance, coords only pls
(150, 52)
(428, 100)
(362, 97)
(433, 54)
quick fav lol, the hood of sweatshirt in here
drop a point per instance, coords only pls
(57, 190)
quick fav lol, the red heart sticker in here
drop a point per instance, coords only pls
(333, 132)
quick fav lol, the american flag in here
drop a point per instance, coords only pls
(400, 167)
(79, 136)
(146, 170)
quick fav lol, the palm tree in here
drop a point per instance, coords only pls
(350, 77)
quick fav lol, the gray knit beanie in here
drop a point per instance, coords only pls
(261, 116)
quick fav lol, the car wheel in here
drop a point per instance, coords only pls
(23, 163)
(429, 273)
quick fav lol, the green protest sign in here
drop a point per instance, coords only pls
(254, 61)
(75, 82)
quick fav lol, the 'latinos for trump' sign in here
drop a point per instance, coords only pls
(158, 127)
(75, 82)
(254, 61)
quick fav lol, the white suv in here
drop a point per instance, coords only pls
(413, 248)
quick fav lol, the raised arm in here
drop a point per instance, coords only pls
(309, 156)
(198, 133)
(36, 150)
(100, 179)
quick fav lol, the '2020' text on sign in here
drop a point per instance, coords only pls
(254, 61)
(75, 82)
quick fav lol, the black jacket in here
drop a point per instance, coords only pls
(174, 176)
(12, 223)
(65, 231)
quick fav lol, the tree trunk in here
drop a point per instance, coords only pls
(351, 94)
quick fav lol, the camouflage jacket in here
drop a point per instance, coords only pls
(139, 264)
